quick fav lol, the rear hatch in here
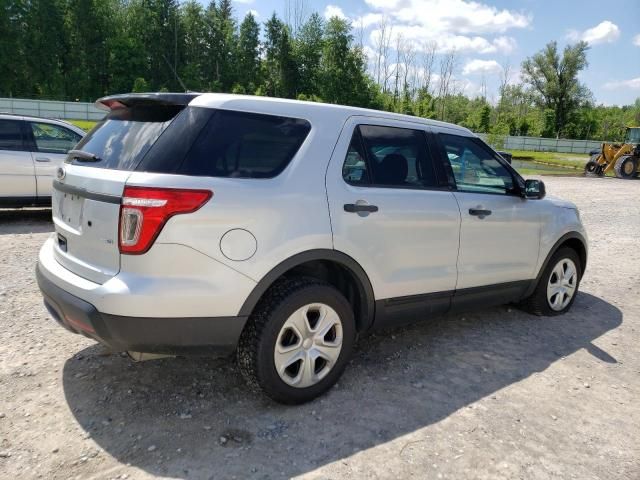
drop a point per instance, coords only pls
(88, 190)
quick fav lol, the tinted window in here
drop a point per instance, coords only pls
(53, 138)
(125, 135)
(244, 145)
(10, 135)
(397, 156)
(354, 169)
(475, 167)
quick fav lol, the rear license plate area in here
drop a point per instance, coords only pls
(71, 209)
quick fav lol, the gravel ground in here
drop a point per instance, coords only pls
(491, 394)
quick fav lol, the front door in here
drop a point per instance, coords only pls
(389, 213)
(500, 231)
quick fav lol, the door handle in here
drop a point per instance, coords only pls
(355, 208)
(479, 212)
(43, 159)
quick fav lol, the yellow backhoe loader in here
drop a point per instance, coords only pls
(623, 159)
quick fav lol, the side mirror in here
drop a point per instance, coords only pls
(534, 189)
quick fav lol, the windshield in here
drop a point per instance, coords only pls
(633, 135)
(122, 138)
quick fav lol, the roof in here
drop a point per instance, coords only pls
(32, 118)
(312, 111)
(302, 109)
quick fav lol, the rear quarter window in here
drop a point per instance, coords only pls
(10, 135)
(244, 145)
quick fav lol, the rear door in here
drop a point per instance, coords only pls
(390, 213)
(87, 193)
(51, 143)
(17, 174)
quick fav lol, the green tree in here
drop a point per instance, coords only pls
(344, 79)
(248, 53)
(221, 39)
(127, 56)
(555, 80)
(46, 47)
(140, 85)
(90, 29)
(14, 80)
(280, 67)
(193, 28)
(485, 119)
(308, 51)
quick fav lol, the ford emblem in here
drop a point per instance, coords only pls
(60, 173)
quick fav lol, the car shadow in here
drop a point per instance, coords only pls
(194, 417)
(25, 220)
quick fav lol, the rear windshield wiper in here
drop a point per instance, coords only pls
(83, 156)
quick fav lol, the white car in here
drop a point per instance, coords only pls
(31, 150)
(281, 230)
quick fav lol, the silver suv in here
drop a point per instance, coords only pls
(281, 230)
(31, 150)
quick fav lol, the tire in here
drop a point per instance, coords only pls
(539, 303)
(593, 168)
(626, 167)
(270, 324)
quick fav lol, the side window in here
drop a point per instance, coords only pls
(475, 167)
(354, 169)
(10, 135)
(397, 157)
(53, 138)
(245, 145)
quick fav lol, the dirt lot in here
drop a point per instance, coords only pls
(492, 394)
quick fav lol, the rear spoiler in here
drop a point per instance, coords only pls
(135, 99)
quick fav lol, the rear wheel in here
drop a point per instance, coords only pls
(558, 285)
(626, 167)
(298, 340)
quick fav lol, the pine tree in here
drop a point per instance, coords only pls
(248, 54)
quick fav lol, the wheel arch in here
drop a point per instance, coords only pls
(573, 240)
(333, 266)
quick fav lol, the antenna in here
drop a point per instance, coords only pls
(175, 73)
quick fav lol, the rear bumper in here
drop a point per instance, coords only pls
(204, 335)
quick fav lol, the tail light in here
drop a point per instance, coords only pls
(145, 210)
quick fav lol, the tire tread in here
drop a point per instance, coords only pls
(247, 352)
(536, 304)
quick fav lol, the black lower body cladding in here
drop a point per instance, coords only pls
(193, 335)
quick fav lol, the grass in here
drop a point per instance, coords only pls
(86, 125)
(534, 172)
(568, 160)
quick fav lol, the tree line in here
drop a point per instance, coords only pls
(80, 50)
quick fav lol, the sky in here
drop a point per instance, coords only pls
(487, 35)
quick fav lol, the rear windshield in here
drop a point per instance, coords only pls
(195, 141)
(224, 143)
(123, 137)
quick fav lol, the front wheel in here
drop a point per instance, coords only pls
(593, 168)
(298, 340)
(558, 285)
